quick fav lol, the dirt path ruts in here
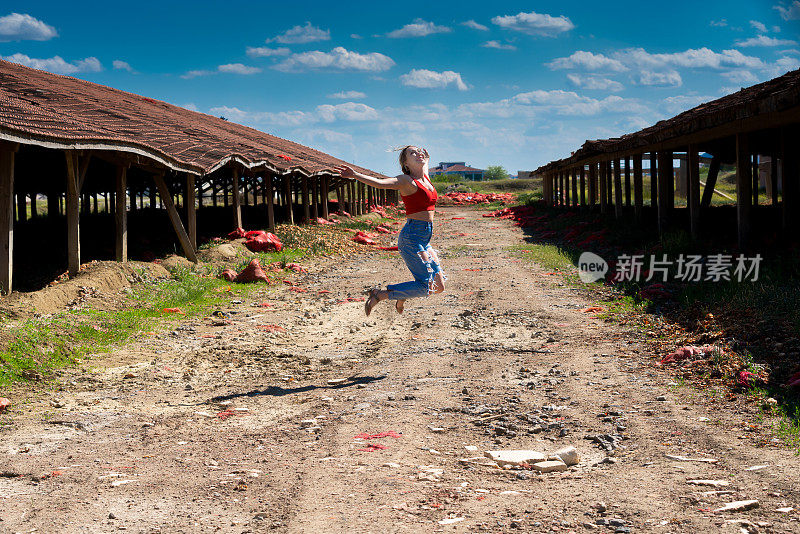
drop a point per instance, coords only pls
(504, 343)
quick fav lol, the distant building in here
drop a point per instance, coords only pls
(457, 167)
(523, 174)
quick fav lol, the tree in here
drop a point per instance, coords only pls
(495, 172)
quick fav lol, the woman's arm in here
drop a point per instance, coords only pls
(380, 183)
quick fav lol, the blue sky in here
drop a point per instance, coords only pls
(510, 83)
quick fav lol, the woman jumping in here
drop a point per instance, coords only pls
(419, 197)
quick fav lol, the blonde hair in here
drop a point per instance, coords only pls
(403, 157)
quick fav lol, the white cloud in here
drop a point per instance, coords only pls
(544, 103)
(782, 66)
(588, 61)
(57, 64)
(355, 36)
(348, 111)
(418, 28)
(345, 95)
(763, 40)
(594, 82)
(338, 58)
(678, 104)
(667, 78)
(429, 79)
(535, 23)
(238, 68)
(329, 136)
(263, 51)
(302, 34)
(759, 26)
(122, 65)
(789, 13)
(721, 23)
(740, 76)
(474, 25)
(692, 58)
(191, 106)
(21, 27)
(498, 45)
(197, 73)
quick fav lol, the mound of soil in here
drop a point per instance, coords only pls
(98, 282)
(225, 254)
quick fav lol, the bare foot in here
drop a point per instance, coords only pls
(399, 305)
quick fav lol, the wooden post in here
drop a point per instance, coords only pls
(653, 180)
(237, 206)
(325, 185)
(121, 213)
(175, 219)
(744, 183)
(22, 207)
(666, 187)
(617, 189)
(609, 185)
(574, 173)
(693, 190)
(315, 199)
(214, 192)
(565, 177)
(270, 200)
(246, 190)
(34, 208)
(603, 185)
(773, 178)
(191, 210)
(754, 174)
(287, 194)
(627, 182)
(306, 208)
(225, 191)
(592, 184)
(637, 186)
(73, 214)
(790, 175)
(582, 172)
(339, 198)
(7, 151)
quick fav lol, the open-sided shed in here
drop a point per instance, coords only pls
(71, 142)
(757, 123)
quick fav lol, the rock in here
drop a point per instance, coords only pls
(569, 455)
(515, 457)
(784, 510)
(589, 526)
(306, 423)
(450, 520)
(661, 398)
(470, 448)
(687, 459)
(435, 429)
(430, 472)
(550, 466)
(738, 506)
(756, 467)
(479, 460)
(600, 506)
(111, 515)
(712, 483)
(336, 381)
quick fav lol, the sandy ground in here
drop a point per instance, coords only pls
(236, 428)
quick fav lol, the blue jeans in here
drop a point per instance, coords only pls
(414, 246)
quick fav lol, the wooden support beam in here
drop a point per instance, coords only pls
(287, 195)
(325, 185)
(73, 213)
(574, 173)
(754, 175)
(627, 182)
(175, 219)
(237, 206)
(773, 179)
(603, 184)
(191, 210)
(7, 152)
(34, 208)
(666, 190)
(592, 184)
(617, 189)
(790, 176)
(582, 172)
(340, 198)
(693, 190)
(711, 182)
(22, 207)
(638, 192)
(84, 160)
(121, 213)
(565, 176)
(306, 207)
(609, 184)
(744, 183)
(270, 193)
(654, 180)
(315, 199)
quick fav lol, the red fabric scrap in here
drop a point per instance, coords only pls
(271, 328)
(457, 218)
(236, 234)
(794, 380)
(298, 289)
(260, 241)
(4, 404)
(228, 274)
(591, 309)
(745, 378)
(296, 267)
(685, 353)
(172, 310)
(388, 248)
(284, 156)
(363, 238)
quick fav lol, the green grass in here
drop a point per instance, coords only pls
(37, 346)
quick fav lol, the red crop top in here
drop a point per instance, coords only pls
(423, 199)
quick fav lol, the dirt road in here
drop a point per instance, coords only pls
(238, 428)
